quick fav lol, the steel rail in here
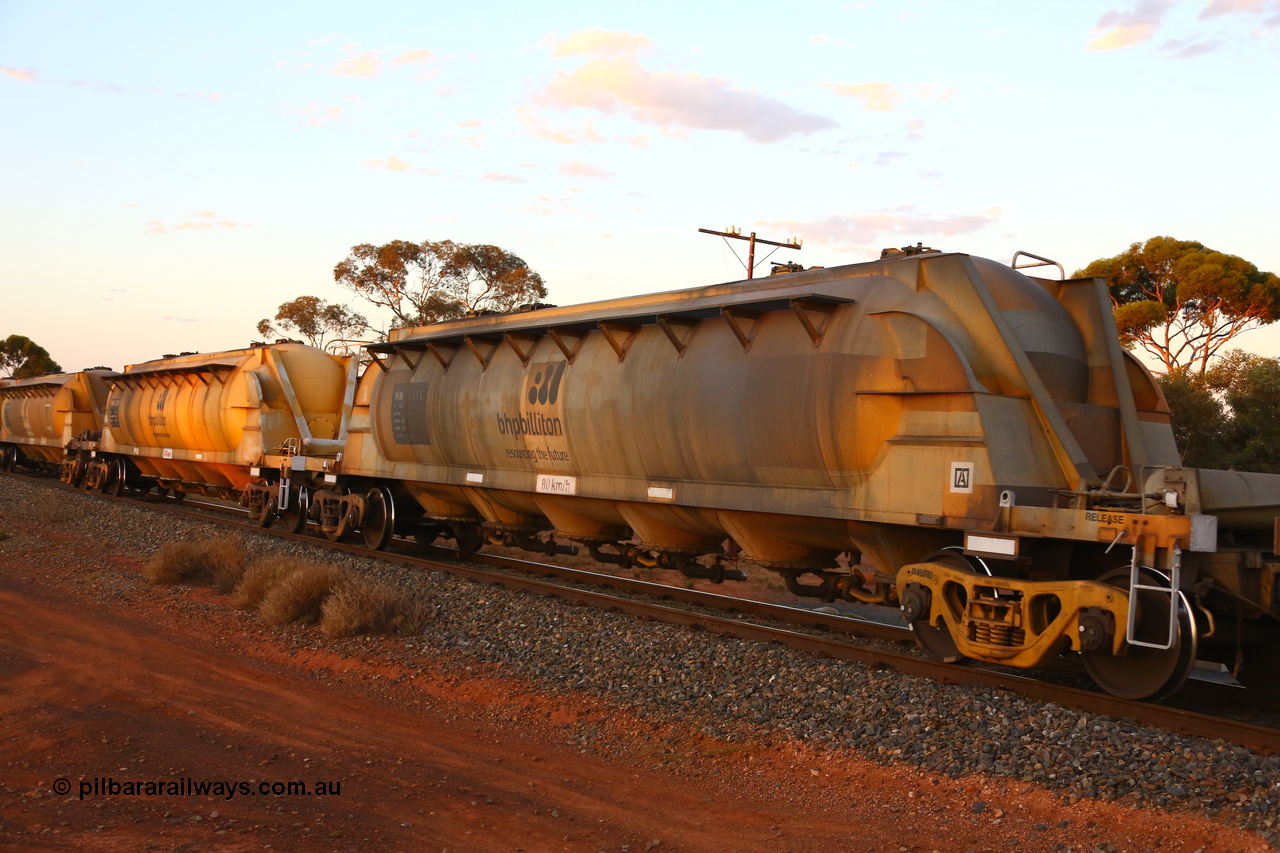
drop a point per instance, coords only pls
(1185, 722)
(833, 622)
(761, 609)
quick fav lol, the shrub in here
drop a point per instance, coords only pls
(205, 562)
(262, 576)
(297, 597)
(363, 606)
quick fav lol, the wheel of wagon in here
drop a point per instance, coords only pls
(379, 518)
(179, 496)
(1143, 672)
(118, 482)
(936, 640)
(295, 517)
(468, 539)
(8, 458)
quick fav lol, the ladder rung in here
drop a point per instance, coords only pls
(1135, 574)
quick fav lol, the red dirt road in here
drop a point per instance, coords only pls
(121, 682)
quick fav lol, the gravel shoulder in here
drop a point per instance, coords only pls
(520, 723)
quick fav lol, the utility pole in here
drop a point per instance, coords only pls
(736, 233)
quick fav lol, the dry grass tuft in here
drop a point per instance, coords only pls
(363, 606)
(286, 590)
(262, 576)
(298, 596)
(205, 562)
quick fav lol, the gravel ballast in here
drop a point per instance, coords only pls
(732, 690)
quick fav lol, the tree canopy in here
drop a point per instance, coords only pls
(430, 281)
(1182, 302)
(22, 358)
(1225, 417)
(314, 319)
(1253, 434)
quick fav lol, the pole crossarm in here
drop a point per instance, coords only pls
(752, 239)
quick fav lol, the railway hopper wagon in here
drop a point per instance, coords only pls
(202, 423)
(40, 416)
(933, 431)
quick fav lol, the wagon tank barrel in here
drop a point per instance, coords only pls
(875, 410)
(1240, 500)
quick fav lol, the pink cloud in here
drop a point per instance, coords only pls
(155, 226)
(578, 169)
(884, 158)
(499, 178)
(865, 231)
(1218, 8)
(413, 57)
(875, 96)
(545, 205)
(19, 74)
(1125, 29)
(542, 129)
(602, 43)
(359, 65)
(101, 86)
(1222, 8)
(391, 164)
(879, 96)
(318, 115)
(1181, 49)
(671, 100)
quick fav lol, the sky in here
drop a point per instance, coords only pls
(170, 173)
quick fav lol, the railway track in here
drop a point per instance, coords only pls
(824, 634)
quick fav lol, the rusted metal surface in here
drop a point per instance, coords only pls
(883, 410)
(41, 416)
(1014, 622)
(861, 413)
(1186, 722)
(205, 421)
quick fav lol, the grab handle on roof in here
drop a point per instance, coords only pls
(1044, 262)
